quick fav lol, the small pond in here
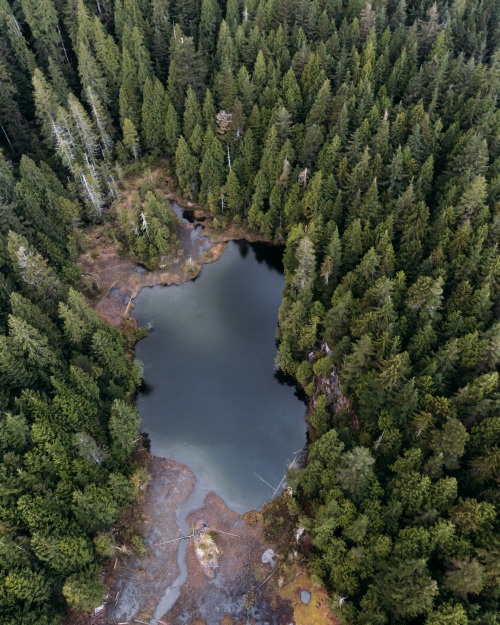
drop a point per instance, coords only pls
(212, 399)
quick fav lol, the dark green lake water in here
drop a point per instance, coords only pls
(211, 398)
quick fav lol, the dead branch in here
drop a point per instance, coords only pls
(293, 579)
(214, 529)
(174, 540)
(268, 577)
(284, 477)
(262, 480)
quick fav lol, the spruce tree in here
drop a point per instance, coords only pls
(212, 170)
(162, 31)
(46, 104)
(107, 53)
(321, 109)
(232, 193)
(187, 68)
(192, 113)
(186, 168)
(209, 26)
(131, 138)
(129, 98)
(43, 22)
(172, 129)
(232, 15)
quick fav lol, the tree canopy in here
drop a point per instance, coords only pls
(363, 136)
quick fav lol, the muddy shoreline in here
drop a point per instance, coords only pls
(112, 279)
(136, 582)
(243, 590)
(120, 278)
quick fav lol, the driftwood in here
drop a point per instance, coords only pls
(284, 477)
(119, 548)
(278, 487)
(267, 578)
(293, 579)
(262, 480)
(174, 540)
(213, 529)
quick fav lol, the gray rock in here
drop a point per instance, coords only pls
(305, 597)
(269, 556)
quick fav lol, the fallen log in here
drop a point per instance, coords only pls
(174, 540)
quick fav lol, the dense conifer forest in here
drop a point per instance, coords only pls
(364, 135)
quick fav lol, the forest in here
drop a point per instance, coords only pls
(363, 135)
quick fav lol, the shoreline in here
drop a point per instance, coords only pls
(154, 589)
(135, 581)
(121, 277)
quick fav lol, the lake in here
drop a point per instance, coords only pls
(211, 398)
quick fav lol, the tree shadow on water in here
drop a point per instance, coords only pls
(286, 380)
(268, 253)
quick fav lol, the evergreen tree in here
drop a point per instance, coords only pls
(39, 280)
(259, 75)
(131, 138)
(232, 15)
(46, 104)
(90, 72)
(212, 170)
(172, 130)
(42, 20)
(321, 109)
(232, 193)
(192, 114)
(209, 25)
(129, 90)
(123, 427)
(208, 110)
(107, 54)
(153, 114)
(187, 69)
(162, 32)
(186, 168)
(306, 259)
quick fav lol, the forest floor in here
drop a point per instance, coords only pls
(243, 590)
(119, 277)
